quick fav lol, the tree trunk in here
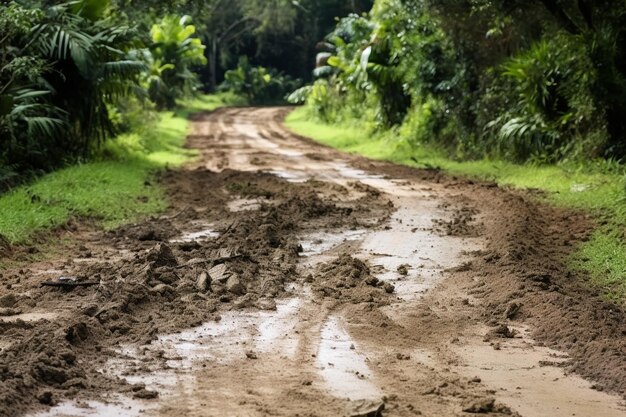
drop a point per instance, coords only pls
(213, 64)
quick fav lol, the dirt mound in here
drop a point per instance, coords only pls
(49, 360)
(463, 221)
(152, 231)
(164, 286)
(348, 279)
(152, 279)
(526, 279)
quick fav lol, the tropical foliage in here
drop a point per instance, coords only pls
(258, 84)
(174, 51)
(65, 72)
(542, 81)
(78, 72)
(526, 81)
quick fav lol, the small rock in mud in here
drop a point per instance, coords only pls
(512, 310)
(7, 311)
(265, 304)
(403, 269)
(373, 281)
(90, 310)
(251, 355)
(165, 274)
(368, 409)
(162, 289)
(77, 332)
(389, 288)
(203, 282)
(235, 286)
(145, 394)
(219, 273)
(46, 398)
(484, 405)
(502, 331)
(245, 301)
(162, 255)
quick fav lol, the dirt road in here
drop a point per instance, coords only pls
(288, 279)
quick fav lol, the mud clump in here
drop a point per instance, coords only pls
(154, 230)
(39, 365)
(349, 279)
(502, 331)
(526, 277)
(462, 224)
(160, 286)
(403, 269)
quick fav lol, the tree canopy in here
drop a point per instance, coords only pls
(540, 80)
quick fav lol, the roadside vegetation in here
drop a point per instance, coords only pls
(528, 94)
(600, 189)
(94, 96)
(116, 186)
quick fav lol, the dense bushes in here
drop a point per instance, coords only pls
(67, 70)
(541, 81)
(174, 50)
(258, 84)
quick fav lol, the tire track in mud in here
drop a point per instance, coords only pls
(355, 288)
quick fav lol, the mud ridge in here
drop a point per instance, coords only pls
(162, 286)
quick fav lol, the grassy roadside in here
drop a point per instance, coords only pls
(597, 190)
(115, 188)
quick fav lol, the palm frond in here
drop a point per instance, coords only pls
(123, 69)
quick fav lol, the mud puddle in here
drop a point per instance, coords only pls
(322, 242)
(116, 406)
(343, 368)
(531, 379)
(170, 364)
(199, 231)
(30, 316)
(244, 204)
(308, 321)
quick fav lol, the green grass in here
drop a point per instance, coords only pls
(603, 257)
(115, 188)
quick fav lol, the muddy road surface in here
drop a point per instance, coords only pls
(288, 279)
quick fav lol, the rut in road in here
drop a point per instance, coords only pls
(290, 279)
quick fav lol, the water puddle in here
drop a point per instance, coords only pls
(237, 332)
(243, 204)
(205, 232)
(229, 340)
(409, 245)
(343, 369)
(225, 341)
(318, 243)
(291, 176)
(118, 407)
(30, 316)
(407, 241)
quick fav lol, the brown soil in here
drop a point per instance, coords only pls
(204, 263)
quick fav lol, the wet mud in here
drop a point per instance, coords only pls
(289, 279)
